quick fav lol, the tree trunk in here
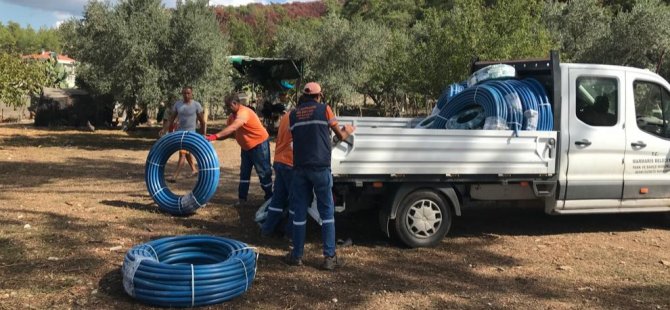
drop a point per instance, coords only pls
(660, 62)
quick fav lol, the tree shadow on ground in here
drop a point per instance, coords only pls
(39, 173)
(63, 238)
(145, 207)
(446, 270)
(419, 274)
(83, 141)
(512, 219)
(508, 220)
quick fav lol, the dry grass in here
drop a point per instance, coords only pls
(83, 193)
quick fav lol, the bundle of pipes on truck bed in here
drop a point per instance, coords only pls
(601, 144)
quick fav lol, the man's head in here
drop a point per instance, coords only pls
(187, 93)
(601, 104)
(283, 97)
(232, 103)
(312, 91)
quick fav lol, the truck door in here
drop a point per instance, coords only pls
(647, 161)
(597, 139)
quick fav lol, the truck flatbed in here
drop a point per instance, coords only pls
(392, 146)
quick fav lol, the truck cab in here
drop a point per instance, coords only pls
(616, 140)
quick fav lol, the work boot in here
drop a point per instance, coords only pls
(292, 261)
(239, 202)
(330, 263)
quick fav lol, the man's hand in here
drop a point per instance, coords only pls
(211, 137)
(348, 129)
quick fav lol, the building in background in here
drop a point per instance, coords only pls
(69, 65)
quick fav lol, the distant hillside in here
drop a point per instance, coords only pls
(252, 27)
(273, 12)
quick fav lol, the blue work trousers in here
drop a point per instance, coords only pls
(308, 182)
(258, 157)
(280, 200)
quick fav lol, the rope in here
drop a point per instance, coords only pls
(208, 176)
(245, 272)
(194, 271)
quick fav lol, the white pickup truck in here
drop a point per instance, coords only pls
(610, 159)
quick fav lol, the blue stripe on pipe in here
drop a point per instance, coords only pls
(208, 175)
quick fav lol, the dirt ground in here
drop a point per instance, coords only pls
(73, 202)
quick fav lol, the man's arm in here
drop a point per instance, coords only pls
(341, 133)
(344, 132)
(230, 129)
(203, 124)
(167, 124)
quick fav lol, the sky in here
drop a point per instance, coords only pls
(50, 13)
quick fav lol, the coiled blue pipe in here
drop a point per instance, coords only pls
(451, 91)
(546, 122)
(188, 271)
(516, 104)
(208, 172)
(483, 95)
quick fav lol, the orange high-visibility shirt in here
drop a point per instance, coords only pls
(252, 133)
(284, 142)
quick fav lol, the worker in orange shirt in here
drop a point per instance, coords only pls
(254, 141)
(283, 166)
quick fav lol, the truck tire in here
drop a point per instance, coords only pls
(423, 219)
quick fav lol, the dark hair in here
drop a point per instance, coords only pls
(306, 98)
(187, 87)
(232, 98)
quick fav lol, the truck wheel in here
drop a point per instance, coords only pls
(423, 219)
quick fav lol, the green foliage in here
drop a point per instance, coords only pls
(19, 78)
(142, 53)
(391, 73)
(397, 14)
(196, 52)
(242, 38)
(447, 41)
(251, 29)
(393, 51)
(623, 5)
(395, 62)
(7, 40)
(645, 29)
(56, 75)
(339, 54)
(120, 48)
(15, 39)
(67, 32)
(629, 33)
(577, 26)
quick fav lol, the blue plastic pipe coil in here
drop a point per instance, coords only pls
(208, 172)
(188, 271)
(503, 104)
(486, 96)
(451, 91)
